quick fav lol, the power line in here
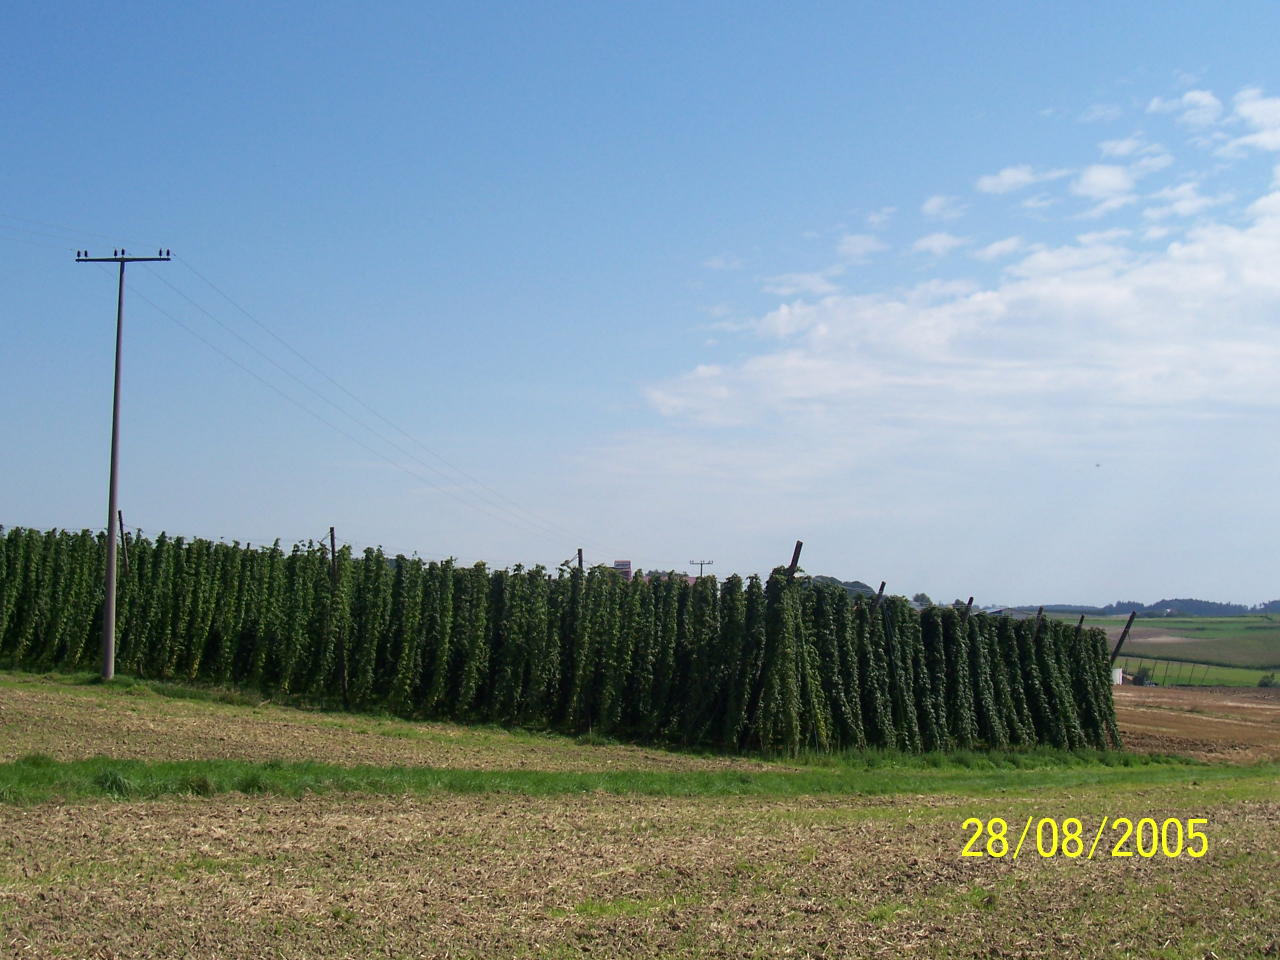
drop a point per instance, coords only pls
(513, 511)
(530, 522)
(551, 525)
(327, 422)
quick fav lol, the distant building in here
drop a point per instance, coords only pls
(623, 567)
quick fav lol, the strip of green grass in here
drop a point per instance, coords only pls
(1171, 671)
(1245, 641)
(38, 778)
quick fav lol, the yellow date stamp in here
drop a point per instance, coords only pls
(1146, 837)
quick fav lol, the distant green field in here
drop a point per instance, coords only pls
(1251, 641)
(1179, 672)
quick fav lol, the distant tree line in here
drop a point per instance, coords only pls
(778, 664)
(1179, 607)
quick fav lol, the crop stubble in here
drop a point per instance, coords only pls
(602, 875)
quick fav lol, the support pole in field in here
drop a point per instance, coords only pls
(968, 608)
(124, 542)
(879, 598)
(579, 559)
(1123, 636)
(795, 559)
(109, 597)
(333, 600)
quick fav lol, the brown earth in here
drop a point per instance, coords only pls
(606, 876)
(1233, 724)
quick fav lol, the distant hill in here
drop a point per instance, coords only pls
(1177, 607)
(854, 588)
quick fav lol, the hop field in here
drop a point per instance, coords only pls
(775, 666)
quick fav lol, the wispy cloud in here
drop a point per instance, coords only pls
(1101, 113)
(1017, 177)
(1262, 115)
(723, 261)
(1001, 249)
(1102, 180)
(1035, 350)
(878, 218)
(859, 247)
(938, 244)
(817, 283)
(1183, 200)
(1195, 108)
(943, 207)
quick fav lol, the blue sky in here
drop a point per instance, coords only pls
(976, 298)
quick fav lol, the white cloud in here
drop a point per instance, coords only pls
(1016, 177)
(1101, 113)
(1157, 161)
(938, 244)
(1111, 186)
(1074, 339)
(1000, 249)
(878, 218)
(1102, 181)
(1121, 148)
(943, 207)
(857, 247)
(1104, 207)
(1260, 113)
(1184, 200)
(817, 283)
(1195, 108)
(1103, 236)
(723, 261)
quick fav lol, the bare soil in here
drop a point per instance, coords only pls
(1233, 724)
(608, 876)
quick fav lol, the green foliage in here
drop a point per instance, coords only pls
(791, 666)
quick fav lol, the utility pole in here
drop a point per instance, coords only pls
(579, 559)
(109, 600)
(700, 564)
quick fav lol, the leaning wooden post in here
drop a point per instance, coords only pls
(1120, 643)
(795, 560)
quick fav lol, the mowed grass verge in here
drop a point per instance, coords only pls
(38, 778)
